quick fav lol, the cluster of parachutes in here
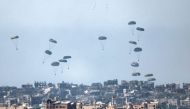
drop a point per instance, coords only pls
(135, 49)
(62, 61)
(135, 39)
(48, 53)
(150, 77)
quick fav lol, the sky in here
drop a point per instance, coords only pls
(77, 24)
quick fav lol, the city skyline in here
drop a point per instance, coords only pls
(77, 24)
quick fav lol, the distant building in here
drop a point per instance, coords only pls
(160, 88)
(11, 101)
(13, 107)
(59, 105)
(94, 106)
(111, 82)
(143, 105)
(64, 85)
(172, 87)
(96, 86)
(152, 105)
(40, 84)
(138, 106)
(27, 86)
(185, 102)
(36, 100)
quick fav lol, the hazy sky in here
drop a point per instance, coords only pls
(76, 25)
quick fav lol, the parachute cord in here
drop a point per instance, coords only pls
(130, 50)
(107, 6)
(132, 32)
(102, 45)
(44, 59)
(139, 35)
(102, 48)
(93, 5)
(15, 43)
(62, 68)
(132, 28)
(138, 57)
(68, 68)
(16, 48)
(55, 71)
(49, 45)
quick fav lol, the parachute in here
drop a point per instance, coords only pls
(139, 32)
(136, 74)
(132, 23)
(62, 61)
(151, 79)
(52, 43)
(15, 41)
(47, 54)
(148, 75)
(55, 65)
(139, 29)
(102, 40)
(133, 42)
(135, 64)
(138, 51)
(15, 37)
(67, 57)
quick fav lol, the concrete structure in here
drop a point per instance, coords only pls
(13, 107)
(59, 105)
(185, 102)
(152, 105)
(138, 106)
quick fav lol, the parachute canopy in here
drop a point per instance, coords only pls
(136, 74)
(148, 75)
(135, 64)
(53, 41)
(55, 63)
(133, 42)
(102, 38)
(151, 79)
(137, 49)
(66, 57)
(132, 23)
(62, 60)
(139, 29)
(15, 37)
(48, 52)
